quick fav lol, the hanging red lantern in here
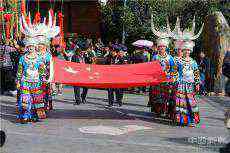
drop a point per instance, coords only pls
(14, 25)
(23, 7)
(60, 21)
(7, 18)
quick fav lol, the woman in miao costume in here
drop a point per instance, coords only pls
(187, 111)
(187, 88)
(162, 93)
(29, 82)
(178, 59)
(30, 77)
(47, 32)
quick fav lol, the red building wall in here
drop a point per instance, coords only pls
(81, 17)
(85, 17)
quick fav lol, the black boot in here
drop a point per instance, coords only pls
(119, 104)
(77, 103)
(83, 99)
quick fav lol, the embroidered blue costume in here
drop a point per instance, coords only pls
(30, 104)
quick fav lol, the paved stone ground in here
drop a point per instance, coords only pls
(60, 132)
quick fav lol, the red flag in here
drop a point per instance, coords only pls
(107, 76)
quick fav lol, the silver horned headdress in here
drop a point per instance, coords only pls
(163, 35)
(185, 36)
(42, 32)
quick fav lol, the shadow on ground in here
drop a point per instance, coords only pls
(71, 101)
(111, 113)
(87, 114)
(8, 113)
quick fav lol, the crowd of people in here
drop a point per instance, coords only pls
(96, 53)
(25, 67)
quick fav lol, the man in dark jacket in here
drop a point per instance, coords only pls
(78, 59)
(116, 59)
(87, 58)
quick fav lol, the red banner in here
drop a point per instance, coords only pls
(106, 76)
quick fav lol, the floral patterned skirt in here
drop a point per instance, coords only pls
(30, 105)
(187, 110)
(162, 100)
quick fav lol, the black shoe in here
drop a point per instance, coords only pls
(77, 103)
(110, 105)
(83, 101)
